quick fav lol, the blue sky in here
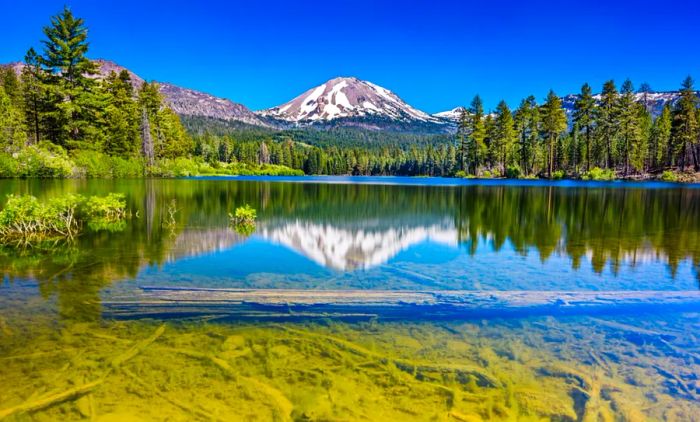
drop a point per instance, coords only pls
(434, 54)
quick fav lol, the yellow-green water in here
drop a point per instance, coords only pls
(66, 355)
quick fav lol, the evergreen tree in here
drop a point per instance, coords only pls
(645, 90)
(12, 133)
(503, 136)
(630, 146)
(660, 149)
(527, 119)
(122, 116)
(463, 138)
(607, 121)
(553, 124)
(33, 92)
(686, 127)
(584, 118)
(73, 104)
(476, 134)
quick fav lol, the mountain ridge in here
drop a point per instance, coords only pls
(339, 102)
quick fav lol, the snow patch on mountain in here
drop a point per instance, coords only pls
(346, 98)
(451, 115)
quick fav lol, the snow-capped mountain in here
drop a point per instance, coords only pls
(450, 115)
(352, 102)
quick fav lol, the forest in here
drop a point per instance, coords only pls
(60, 118)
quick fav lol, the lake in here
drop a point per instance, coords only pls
(359, 299)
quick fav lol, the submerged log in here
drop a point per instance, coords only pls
(292, 303)
(51, 399)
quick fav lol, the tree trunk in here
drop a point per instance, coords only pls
(146, 138)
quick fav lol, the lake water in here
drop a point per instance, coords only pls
(359, 299)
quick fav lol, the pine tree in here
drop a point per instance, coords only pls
(72, 103)
(476, 135)
(584, 118)
(607, 120)
(630, 146)
(463, 138)
(686, 127)
(646, 125)
(12, 132)
(660, 149)
(504, 135)
(527, 119)
(33, 91)
(645, 90)
(122, 116)
(553, 124)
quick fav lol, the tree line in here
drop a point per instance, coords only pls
(615, 131)
(60, 100)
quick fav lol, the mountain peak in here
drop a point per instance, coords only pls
(346, 98)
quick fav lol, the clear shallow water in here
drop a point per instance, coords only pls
(66, 302)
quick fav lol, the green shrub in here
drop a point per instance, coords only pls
(9, 166)
(108, 208)
(243, 220)
(513, 172)
(24, 217)
(127, 168)
(176, 167)
(45, 160)
(92, 164)
(558, 175)
(596, 173)
(486, 174)
(669, 176)
(461, 174)
(243, 214)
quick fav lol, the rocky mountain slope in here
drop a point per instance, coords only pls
(184, 101)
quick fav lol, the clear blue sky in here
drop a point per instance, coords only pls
(434, 54)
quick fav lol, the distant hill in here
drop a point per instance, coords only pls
(184, 101)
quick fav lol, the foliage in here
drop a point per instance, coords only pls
(669, 176)
(243, 220)
(596, 173)
(108, 208)
(558, 175)
(25, 218)
(243, 215)
(45, 160)
(513, 172)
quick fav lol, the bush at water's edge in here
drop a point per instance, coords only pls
(52, 161)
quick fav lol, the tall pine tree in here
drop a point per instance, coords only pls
(584, 119)
(553, 124)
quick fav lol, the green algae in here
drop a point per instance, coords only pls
(528, 369)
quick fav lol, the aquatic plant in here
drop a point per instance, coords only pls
(24, 217)
(243, 215)
(108, 208)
